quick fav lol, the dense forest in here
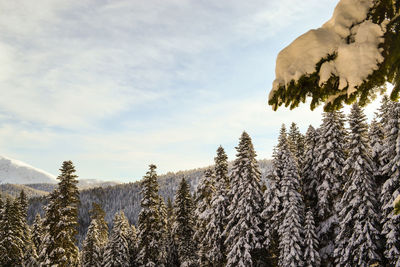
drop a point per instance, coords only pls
(328, 201)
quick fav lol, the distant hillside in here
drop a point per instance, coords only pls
(17, 172)
(127, 197)
(13, 190)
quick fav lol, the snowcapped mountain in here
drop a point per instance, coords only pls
(17, 172)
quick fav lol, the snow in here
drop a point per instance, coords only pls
(347, 34)
(17, 172)
(396, 201)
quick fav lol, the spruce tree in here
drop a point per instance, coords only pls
(204, 193)
(272, 213)
(214, 237)
(61, 221)
(184, 227)
(117, 249)
(37, 231)
(331, 160)
(391, 188)
(133, 246)
(296, 143)
(91, 248)
(358, 241)
(244, 230)
(376, 138)
(171, 246)
(151, 225)
(291, 229)
(308, 173)
(311, 255)
(12, 243)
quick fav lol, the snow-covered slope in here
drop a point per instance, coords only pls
(17, 172)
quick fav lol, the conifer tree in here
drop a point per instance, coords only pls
(244, 230)
(214, 237)
(151, 224)
(311, 255)
(296, 143)
(12, 239)
(97, 213)
(376, 138)
(61, 221)
(308, 173)
(184, 227)
(133, 245)
(331, 159)
(291, 229)
(91, 248)
(37, 231)
(272, 213)
(357, 243)
(391, 188)
(204, 194)
(171, 248)
(117, 250)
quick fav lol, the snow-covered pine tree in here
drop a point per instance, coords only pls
(311, 254)
(204, 193)
(331, 160)
(61, 221)
(376, 138)
(308, 173)
(184, 226)
(291, 229)
(37, 231)
(91, 247)
(133, 245)
(391, 188)
(151, 225)
(11, 235)
(244, 230)
(296, 143)
(358, 241)
(117, 249)
(272, 213)
(97, 213)
(214, 237)
(171, 247)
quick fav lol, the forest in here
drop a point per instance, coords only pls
(328, 200)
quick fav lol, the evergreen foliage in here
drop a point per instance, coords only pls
(171, 246)
(37, 232)
(117, 250)
(308, 173)
(218, 213)
(61, 221)
(296, 143)
(151, 224)
(357, 243)
(390, 189)
(331, 160)
(244, 230)
(91, 249)
(311, 255)
(184, 226)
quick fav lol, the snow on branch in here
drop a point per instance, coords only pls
(342, 60)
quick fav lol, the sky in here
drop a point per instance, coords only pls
(117, 85)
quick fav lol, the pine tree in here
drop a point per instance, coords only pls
(311, 255)
(214, 237)
(291, 230)
(37, 232)
(296, 143)
(331, 159)
(184, 226)
(391, 187)
(308, 173)
(117, 250)
(61, 221)
(272, 213)
(357, 243)
(151, 225)
(204, 194)
(376, 138)
(244, 231)
(133, 245)
(91, 248)
(11, 239)
(171, 246)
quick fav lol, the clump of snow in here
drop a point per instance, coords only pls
(347, 34)
(396, 201)
(17, 172)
